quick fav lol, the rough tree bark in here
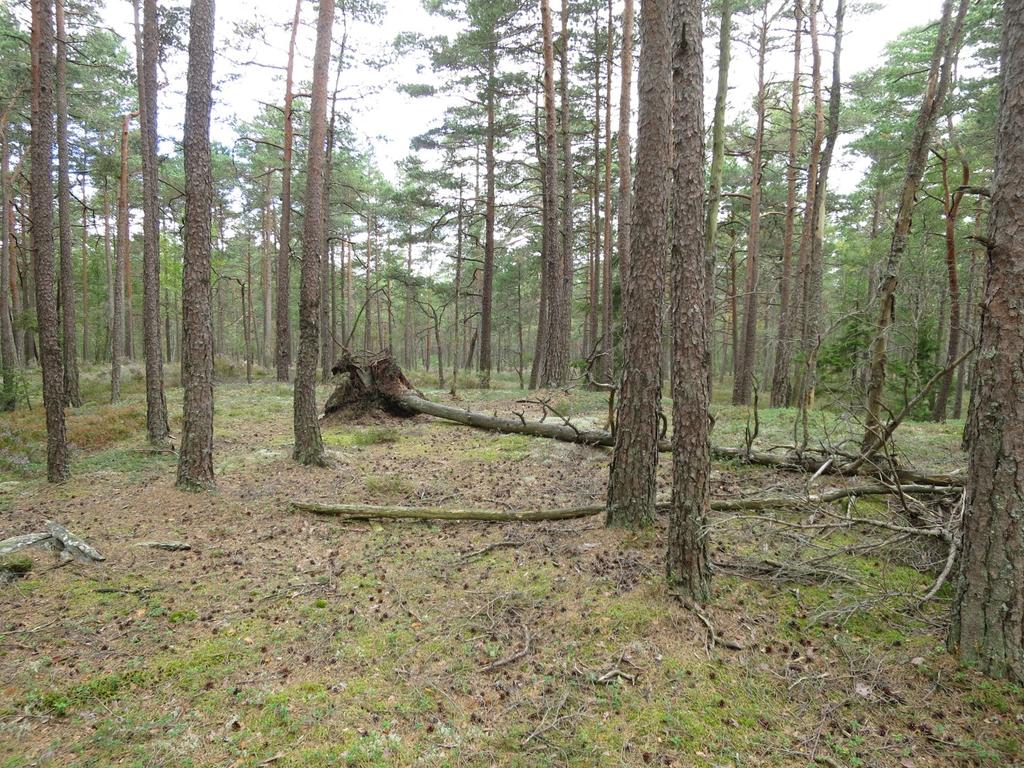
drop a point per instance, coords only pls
(687, 559)
(157, 428)
(42, 238)
(283, 344)
(195, 459)
(487, 293)
(744, 379)
(988, 614)
(631, 487)
(72, 396)
(607, 366)
(123, 245)
(8, 347)
(309, 447)
(783, 352)
(623, 235)
(947, 45)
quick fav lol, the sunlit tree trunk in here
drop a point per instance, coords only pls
(72, 396)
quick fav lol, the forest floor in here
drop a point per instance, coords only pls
(285, 639)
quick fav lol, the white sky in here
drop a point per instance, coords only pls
(388, 119)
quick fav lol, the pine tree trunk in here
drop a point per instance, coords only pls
(717, 148)
(72, 396)
(309, 447)
(487, 293)
(549, 330)
(607, 367)
(283, 345)
(988, 614)
(157, 428)
(624, 235)
(744, 380)
(85, 274)
(632, 483)
(783, 352)
(195, 459)
(687, 557)
(123, 245)
(947, 45)
(42, 238)
(8, 348)
(594, 273)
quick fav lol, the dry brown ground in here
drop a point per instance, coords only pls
(286, 639)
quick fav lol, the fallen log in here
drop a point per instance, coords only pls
(378, 512)
(376, 381)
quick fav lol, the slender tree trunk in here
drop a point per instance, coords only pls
(552, 272)
(744, 381)
(625, 208)
(687, 559)
(195, 459)
(594, 273)
(947, 45)
(108, 263)
(85, 275)
(157, 428)
(607, 366)
(8, 348)
(283, 336)
(456, 345)
(951, 203)
(717, 148)
(408, 338)
(988, 613)
(72, 396)
(487, 290)
(247, 318)
(970, 321)
(781, 387)
(42, 238)
(811, 301)
(632, 484)
(309, 447)
(123, 246)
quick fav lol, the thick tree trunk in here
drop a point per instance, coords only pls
(632, 486)
(72, 396)
(988, 614)
(195, 459)
(947, 45)
(309, 447)
(42, 238)
(744, 380)
(687, 559)
(783, 352)
(157, 428)
(283, 344)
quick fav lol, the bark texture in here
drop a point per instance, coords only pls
(157, 428)
(309, 447)
(631, 487)
(988, 615)
(687, 558)
(195, 459)
(42, 238)
(72, 396)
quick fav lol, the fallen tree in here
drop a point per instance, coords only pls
(377, 382)
(371, 511)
